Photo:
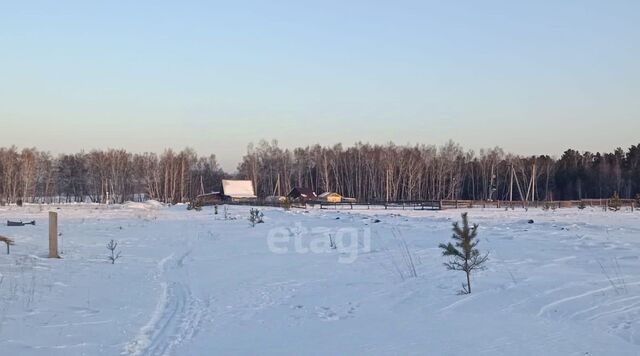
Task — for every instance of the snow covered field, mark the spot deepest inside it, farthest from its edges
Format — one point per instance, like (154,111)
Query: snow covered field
(193,283)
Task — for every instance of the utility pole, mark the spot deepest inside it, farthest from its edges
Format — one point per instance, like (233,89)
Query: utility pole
(276,189)
(511,184)
(491,190)
(533,181)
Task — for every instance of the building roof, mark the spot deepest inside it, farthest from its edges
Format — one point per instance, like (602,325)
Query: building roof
(238,188)
(326,194)
(303,192)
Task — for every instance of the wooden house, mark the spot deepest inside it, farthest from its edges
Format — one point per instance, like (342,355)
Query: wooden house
(207,199)
(330,197)
(302,194)
(275,199)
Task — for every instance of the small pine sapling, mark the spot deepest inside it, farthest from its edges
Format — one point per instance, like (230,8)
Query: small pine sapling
(255,217)
(114,255)
(464,254)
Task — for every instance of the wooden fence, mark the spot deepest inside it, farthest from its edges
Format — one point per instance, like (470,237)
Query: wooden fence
(467,204)
(447,204)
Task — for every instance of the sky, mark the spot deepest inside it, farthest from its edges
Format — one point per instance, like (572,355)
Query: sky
(533,77)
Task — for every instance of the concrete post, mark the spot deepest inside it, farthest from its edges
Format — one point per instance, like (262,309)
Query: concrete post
(53,235)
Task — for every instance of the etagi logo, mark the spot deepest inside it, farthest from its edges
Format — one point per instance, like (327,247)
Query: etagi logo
(347,241)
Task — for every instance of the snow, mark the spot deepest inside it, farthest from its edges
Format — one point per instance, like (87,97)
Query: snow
(147,205)
(238,188)
(193,283)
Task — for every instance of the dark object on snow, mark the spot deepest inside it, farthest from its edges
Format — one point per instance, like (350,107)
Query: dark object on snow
(20,223)
(337,218)
(530,221)
(376,221)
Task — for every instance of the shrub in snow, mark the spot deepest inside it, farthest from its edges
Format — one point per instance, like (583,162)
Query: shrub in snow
(255,217)
(8,242)
(464,254)
(407,258)
(332,242)
(403,262)
(615,203)
(215,210)
(114,255)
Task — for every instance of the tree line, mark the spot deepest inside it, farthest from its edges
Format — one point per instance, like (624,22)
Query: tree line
(113,175)
(427,172)
(364,171)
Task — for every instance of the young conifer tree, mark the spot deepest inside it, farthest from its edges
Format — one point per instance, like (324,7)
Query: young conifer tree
(464,254)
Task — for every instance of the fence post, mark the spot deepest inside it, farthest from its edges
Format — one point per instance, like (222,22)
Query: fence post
(53,235)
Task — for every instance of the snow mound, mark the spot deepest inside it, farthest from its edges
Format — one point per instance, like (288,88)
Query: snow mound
(147,205)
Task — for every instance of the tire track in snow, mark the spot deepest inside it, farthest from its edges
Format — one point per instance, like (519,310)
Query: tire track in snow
(548,306)
(175,319)
(179,322)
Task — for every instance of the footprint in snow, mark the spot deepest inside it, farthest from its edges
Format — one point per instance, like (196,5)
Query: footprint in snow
(325,313)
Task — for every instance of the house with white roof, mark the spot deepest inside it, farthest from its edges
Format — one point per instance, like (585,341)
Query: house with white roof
(238,190)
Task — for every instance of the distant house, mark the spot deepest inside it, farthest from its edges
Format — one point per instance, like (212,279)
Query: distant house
(275,199)
(330,197)
(238,190)
(302,194)
(207,199)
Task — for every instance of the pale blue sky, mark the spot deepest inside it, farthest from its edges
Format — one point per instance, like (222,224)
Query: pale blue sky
(532,77)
